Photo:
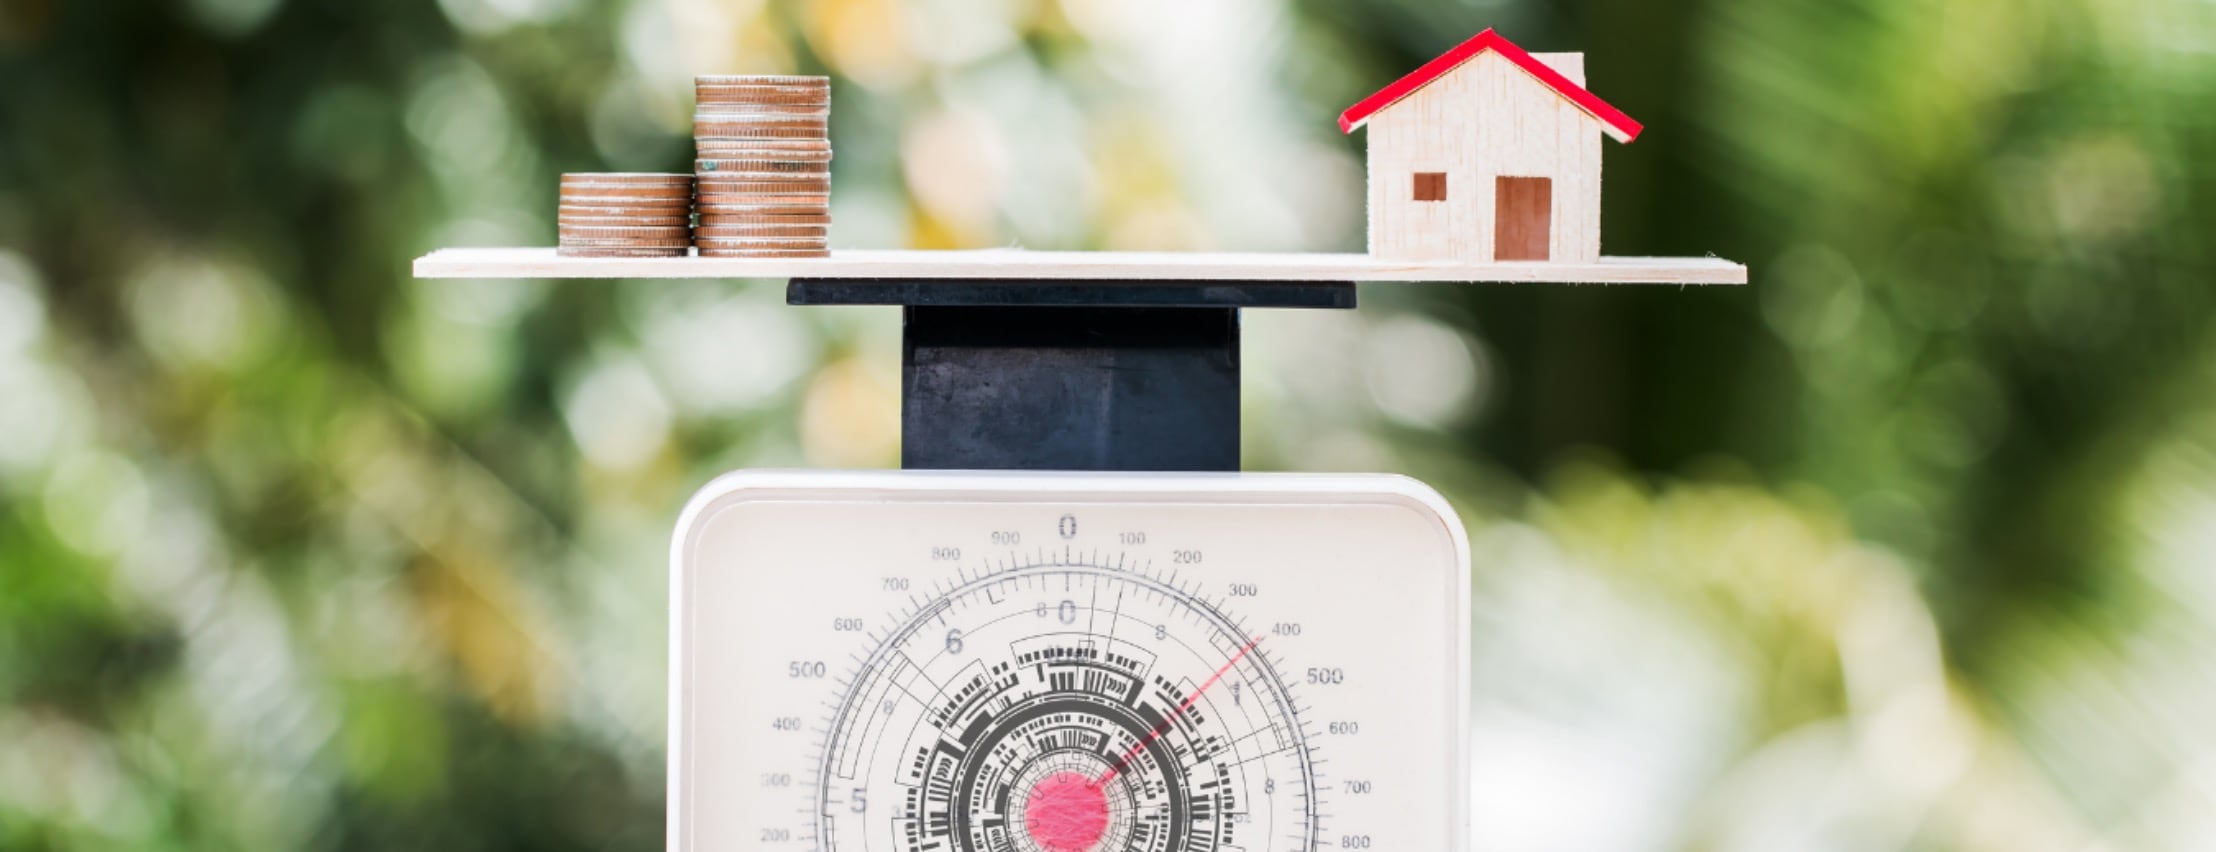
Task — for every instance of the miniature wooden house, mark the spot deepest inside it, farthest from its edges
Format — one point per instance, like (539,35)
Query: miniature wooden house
(1487,153)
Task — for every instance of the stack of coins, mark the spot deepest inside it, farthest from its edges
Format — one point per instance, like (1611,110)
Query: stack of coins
(764,167)
(613,214)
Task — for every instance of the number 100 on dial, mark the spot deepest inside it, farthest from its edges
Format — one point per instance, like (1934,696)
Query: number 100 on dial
(1017,662)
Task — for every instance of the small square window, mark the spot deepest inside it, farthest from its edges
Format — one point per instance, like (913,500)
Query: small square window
(1431,186)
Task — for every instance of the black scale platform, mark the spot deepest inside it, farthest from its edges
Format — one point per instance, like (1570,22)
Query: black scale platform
(1070,375)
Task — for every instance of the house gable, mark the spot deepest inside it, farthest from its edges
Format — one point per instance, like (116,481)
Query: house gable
(1613,121)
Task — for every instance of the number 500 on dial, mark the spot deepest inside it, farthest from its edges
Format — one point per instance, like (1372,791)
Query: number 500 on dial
(1023,662)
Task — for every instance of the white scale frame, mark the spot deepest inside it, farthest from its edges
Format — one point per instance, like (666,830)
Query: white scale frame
(789,587)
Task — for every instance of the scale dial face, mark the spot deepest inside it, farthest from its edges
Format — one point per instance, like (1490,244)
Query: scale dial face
(930,662)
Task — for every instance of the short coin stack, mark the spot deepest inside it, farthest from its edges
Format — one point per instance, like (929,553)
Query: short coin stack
(764,167)
(623,214)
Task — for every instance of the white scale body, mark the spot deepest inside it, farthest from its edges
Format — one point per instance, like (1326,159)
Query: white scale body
(1064,662)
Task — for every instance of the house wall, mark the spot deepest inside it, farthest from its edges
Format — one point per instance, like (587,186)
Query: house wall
(1485,119)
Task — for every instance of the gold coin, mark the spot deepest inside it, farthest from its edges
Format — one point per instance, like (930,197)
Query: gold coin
(660,245)
(720,210)
(785,107)
(763,253)
(735,158)
(731,194)
(812,139)
(729,133)
(657,191)
(756,232)
(663,245)
(626,178)
(709,167)
(766,149)
(762,186)
(635,239)
(604,206)
(751,220)
(783,184)
(565,220)
(599,251)
(801,244)
(751,120)
(758,134)
(785,95)
(710,111)
(662,205)
(625,211)
(657,206)
(725,203)
(762,113)
(623,232)
(598,198)
(727,178)
(751,233)
(739,171)
(761,80)
(819,87)
(778,191)
(710,103)
(770,140)
(755,149)
(712,127)
(819,182)
(666,195)
(642,190)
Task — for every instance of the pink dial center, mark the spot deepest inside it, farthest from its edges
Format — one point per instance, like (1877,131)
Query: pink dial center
(1066,812)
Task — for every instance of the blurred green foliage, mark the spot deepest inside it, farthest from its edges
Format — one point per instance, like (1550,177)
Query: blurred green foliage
(1909,545)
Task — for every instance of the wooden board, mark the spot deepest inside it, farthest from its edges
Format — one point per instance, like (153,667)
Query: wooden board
(1003,264)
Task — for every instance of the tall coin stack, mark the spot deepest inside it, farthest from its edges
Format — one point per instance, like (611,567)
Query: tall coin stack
(624,214)
(764,166)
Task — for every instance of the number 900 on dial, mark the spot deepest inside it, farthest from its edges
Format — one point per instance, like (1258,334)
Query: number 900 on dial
(1017,662)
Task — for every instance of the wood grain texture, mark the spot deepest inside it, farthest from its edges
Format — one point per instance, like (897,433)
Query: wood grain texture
(1484,120)
(1523,209)
(1005,264)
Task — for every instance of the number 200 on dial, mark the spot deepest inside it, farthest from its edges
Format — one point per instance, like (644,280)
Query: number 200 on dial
(1015,662)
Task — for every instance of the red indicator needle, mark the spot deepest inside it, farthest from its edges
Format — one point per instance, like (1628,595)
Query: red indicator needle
(1170,722)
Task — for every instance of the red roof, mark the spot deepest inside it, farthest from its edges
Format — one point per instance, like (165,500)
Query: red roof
(1615,121)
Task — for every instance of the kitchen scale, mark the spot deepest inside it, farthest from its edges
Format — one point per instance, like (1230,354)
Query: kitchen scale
(1069,625)
(910,661)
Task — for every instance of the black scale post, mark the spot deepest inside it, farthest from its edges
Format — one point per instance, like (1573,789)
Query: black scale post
(1070,375)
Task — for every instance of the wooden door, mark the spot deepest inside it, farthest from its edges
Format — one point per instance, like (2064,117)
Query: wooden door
(1523,210)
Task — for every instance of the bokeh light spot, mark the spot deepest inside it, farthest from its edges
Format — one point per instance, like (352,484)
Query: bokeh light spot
(96,502)
(617,414)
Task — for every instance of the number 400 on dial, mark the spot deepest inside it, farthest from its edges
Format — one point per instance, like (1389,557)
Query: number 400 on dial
(1023,662)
